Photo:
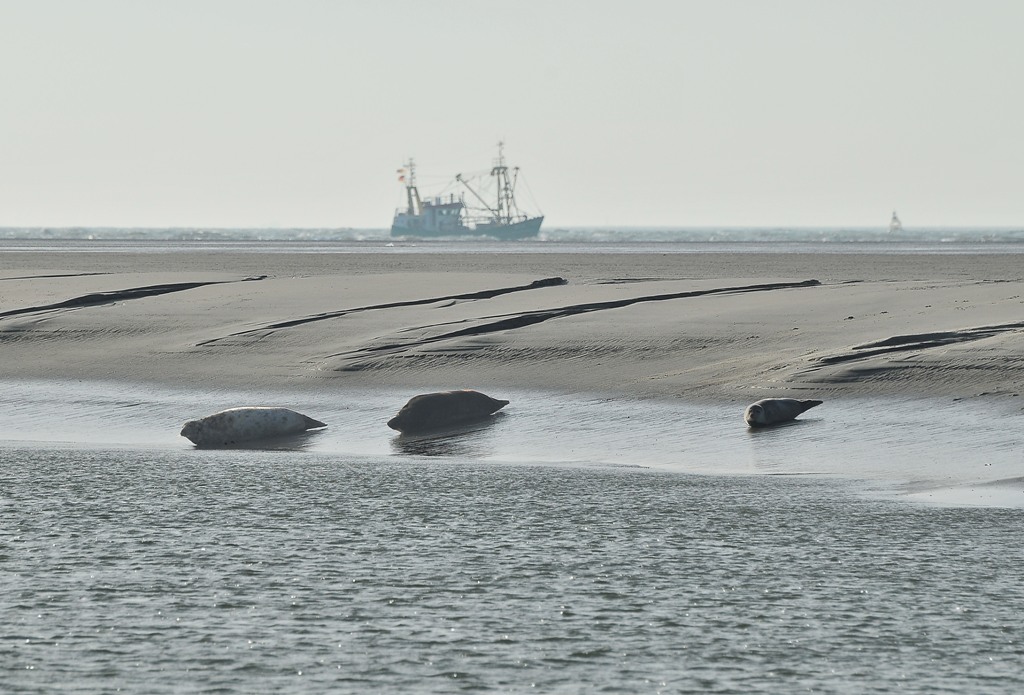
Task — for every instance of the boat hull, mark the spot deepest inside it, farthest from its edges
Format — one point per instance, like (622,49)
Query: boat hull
(506,232)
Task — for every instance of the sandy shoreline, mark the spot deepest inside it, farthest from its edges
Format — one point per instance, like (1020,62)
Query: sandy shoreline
(723,327)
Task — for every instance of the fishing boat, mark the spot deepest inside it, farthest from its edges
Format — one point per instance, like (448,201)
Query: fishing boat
(493,210)
(894,224)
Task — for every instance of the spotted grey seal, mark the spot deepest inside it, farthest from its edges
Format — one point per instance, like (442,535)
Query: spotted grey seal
(239,425)
(771,411)
(436,411)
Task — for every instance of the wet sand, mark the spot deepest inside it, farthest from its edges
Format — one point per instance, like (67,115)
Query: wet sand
(701,327)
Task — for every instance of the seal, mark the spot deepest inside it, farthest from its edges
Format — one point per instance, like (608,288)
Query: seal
(429,412)
(772,411)
(239,425)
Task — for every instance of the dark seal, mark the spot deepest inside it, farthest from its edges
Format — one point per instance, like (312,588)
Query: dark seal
(430,412)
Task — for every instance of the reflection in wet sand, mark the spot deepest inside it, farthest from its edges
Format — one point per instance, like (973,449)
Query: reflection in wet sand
(300,441)
(469,441)
(763,430)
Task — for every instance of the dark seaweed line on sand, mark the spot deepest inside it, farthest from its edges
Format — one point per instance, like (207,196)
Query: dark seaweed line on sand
(483,294)
(505,323)
(919,341)
(100,298)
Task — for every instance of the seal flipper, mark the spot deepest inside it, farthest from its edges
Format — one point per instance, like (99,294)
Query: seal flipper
(312,424)
(808,404)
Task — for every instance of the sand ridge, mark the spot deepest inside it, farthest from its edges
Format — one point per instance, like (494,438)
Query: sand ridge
(721,327)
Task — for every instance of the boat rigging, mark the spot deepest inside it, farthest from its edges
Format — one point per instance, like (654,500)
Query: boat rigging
(494,213)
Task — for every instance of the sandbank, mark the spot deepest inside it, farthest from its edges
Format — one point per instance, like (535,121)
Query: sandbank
(718,327)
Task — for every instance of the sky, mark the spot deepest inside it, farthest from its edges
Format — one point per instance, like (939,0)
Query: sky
(667,113)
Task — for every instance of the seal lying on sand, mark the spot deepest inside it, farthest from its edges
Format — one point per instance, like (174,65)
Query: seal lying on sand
(239,425)
(771,411)
(437,411)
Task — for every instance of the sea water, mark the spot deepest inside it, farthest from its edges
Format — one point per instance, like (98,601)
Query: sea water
(550,240)
(575,543)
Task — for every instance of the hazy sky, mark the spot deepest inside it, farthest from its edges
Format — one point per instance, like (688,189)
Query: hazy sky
(297,113)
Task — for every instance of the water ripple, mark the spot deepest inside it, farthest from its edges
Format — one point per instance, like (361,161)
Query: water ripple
(268,571)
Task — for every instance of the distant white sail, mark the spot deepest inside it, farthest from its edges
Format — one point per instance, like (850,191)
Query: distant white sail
(894,224)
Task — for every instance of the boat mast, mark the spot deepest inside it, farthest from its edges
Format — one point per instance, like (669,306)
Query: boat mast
(506,188)
(412,194)
(505,211)
(499,171)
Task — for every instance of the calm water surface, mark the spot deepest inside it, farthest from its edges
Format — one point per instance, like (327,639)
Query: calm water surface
(270,571)
(631,548)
